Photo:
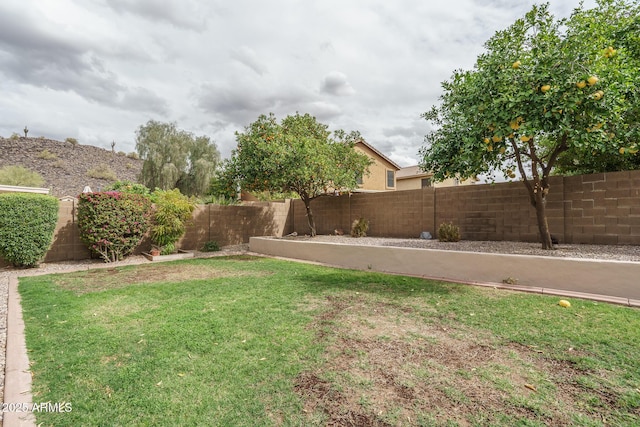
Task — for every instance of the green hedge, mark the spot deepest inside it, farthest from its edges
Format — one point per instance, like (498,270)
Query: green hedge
(111,223)
(27,224)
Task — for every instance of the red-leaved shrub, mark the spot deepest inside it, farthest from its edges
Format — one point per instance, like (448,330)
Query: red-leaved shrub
(113,223)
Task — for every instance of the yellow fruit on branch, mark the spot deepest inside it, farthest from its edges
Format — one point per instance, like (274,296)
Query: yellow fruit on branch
(545,88)
(525,138)
(486,140)
(581,84)
(496,138)
(592,80)
(514,125)
(610,52)
(622,150)
(516,64)
(598,95)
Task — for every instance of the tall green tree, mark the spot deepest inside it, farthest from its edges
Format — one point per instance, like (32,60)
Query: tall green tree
(544,87)
(174,158)
(297,155)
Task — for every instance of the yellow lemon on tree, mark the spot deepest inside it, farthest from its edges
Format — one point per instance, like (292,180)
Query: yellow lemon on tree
(621,151)
(581,84)
(525,138)
(496,138)
(516,64)
(598,95)
(564,303)
(592,80)
(486,140)
(545,88)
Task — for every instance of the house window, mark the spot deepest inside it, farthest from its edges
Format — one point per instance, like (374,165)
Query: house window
(359,179)
(426,182)
(391,179)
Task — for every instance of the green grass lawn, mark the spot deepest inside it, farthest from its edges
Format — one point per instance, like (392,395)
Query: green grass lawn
(244,341)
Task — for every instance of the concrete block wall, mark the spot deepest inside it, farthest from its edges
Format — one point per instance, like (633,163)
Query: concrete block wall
(597,209)
(603,208)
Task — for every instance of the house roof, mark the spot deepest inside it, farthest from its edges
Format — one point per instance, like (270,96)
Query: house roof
(411,172)
(375,150)
(19,189)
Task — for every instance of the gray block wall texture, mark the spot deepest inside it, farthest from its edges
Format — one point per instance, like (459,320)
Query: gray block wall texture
(597,209)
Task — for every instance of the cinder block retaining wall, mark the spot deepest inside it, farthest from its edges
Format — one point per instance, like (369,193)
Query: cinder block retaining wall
(599,208)
(614,281)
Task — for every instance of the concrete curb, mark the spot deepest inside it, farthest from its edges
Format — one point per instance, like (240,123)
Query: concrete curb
(17,380)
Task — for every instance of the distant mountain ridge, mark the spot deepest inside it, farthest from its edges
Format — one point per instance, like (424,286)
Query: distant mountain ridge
(67,167)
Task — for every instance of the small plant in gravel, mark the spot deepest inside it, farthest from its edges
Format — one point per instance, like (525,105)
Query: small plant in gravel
(211,246)
(47,155)
(111,223)
(102,171)
(20,176)
(27,224)
(448,232)
(359,227)
(72,141)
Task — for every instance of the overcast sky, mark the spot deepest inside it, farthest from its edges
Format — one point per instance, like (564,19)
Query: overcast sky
(96,70)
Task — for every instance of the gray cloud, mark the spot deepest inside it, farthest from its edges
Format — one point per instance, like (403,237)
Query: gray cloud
(186,14)
(248,57)
(336,83)
(97,70)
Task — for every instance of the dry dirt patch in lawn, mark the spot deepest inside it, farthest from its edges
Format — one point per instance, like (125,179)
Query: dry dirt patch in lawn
(385,365)
(96,280)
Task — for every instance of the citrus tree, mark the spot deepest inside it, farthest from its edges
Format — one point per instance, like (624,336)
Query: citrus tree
(297,155)
(542,88)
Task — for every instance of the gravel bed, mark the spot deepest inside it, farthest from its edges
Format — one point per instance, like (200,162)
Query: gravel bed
(602,252)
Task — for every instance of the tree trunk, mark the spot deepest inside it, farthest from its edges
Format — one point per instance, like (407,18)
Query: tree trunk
(312,224)
(543,225)
(537,196)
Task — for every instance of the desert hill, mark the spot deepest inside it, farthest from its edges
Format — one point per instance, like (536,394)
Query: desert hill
(67,167)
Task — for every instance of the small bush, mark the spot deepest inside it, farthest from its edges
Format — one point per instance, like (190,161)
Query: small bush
(211,246)
(14,137)
(72,141)
(359,227)
(221,200)
(27,224)
(47,155)
(128,187)
(133,155)
(172,212)
(102,171)
(448,232)
(111,223)
(20,176)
